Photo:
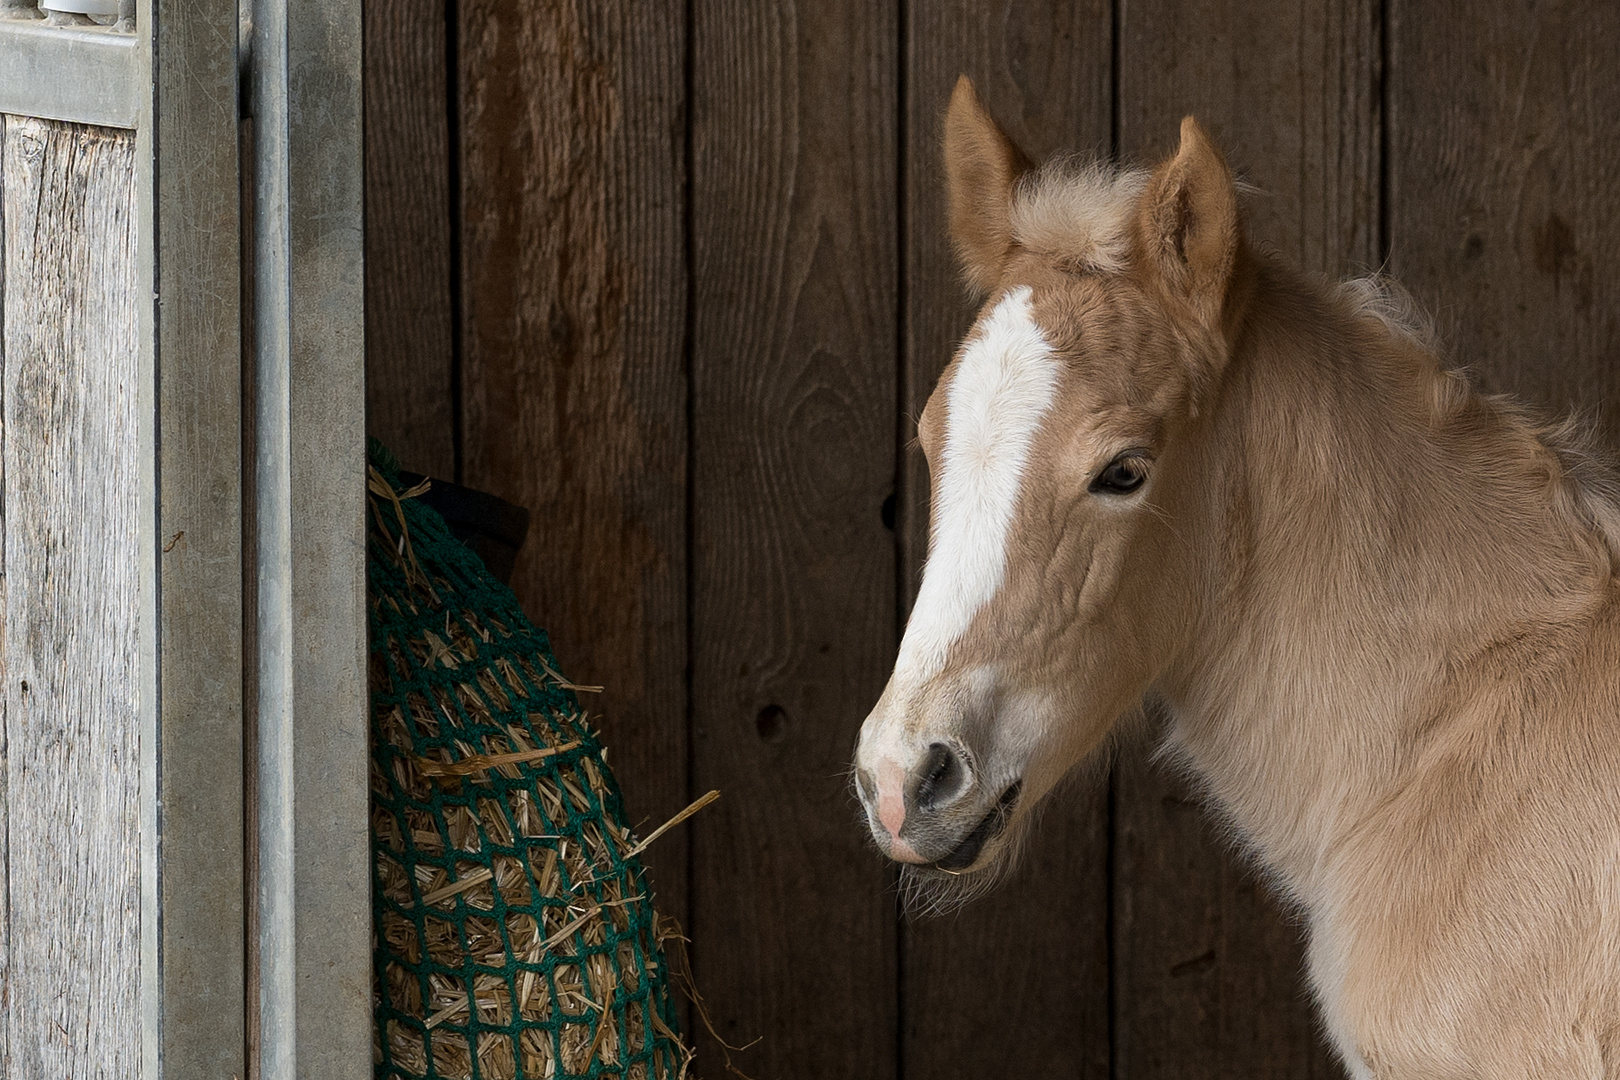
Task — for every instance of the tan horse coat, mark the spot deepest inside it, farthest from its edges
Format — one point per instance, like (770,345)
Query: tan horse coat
(1380,608)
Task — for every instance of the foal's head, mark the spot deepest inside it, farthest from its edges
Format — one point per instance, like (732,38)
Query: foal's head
(1057,585)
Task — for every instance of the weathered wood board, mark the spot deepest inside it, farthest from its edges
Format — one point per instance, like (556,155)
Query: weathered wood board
(794,376)
(71,954)
(197,832)
(573,370)
(410,340)
(1505,146)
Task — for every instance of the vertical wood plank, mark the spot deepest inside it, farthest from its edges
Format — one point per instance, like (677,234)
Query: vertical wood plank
(1291,94)
(988,991)
(1506,143)
(794,167)
(6,677)
(409,343)
(574,371)
(70,355)
(1208,974)
(325,191)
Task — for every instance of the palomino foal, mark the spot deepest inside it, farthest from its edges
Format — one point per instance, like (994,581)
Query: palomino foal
(1379,608)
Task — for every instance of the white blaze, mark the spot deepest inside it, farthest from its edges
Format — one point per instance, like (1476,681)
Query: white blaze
(1004,385)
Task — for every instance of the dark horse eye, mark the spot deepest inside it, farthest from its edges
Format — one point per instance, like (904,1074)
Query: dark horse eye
(1121,476)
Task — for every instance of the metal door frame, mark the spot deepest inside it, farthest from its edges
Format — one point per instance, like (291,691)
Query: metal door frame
(256,624)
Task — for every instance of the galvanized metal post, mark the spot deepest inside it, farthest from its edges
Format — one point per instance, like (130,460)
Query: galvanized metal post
(313,889)
(193,883)
(272,377)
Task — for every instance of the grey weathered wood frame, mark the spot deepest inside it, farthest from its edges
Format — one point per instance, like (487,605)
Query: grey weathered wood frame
(70,942)
(198,554)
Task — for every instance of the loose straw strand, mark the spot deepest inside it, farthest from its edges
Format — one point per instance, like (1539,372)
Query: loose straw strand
(697,804)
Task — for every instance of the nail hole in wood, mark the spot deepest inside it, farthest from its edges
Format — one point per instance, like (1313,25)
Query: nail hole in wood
(771,723)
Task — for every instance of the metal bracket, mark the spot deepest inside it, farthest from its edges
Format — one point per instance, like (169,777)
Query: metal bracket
(81,74)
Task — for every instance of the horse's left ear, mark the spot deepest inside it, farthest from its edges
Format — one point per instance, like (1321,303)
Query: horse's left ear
(1188,226)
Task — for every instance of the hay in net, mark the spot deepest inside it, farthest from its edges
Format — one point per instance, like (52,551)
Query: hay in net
(514,931)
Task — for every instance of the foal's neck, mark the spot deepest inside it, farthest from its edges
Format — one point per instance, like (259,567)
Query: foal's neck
(1376,528)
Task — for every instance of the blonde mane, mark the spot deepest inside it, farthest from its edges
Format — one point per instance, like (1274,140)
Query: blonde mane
(1590,480)
(1077,213)
(1387,303)
(1590,484)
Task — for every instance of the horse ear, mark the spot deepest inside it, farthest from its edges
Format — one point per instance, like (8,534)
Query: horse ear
(981,166)
(1189,225)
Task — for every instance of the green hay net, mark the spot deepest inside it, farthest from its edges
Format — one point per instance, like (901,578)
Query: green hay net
(502,865)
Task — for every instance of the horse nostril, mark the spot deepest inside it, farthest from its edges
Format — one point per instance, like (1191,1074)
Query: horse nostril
(864,785)
(941,777)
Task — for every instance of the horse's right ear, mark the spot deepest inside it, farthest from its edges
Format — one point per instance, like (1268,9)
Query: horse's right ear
(981,167)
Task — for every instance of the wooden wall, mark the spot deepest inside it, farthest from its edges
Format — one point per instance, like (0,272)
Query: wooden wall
(673,274)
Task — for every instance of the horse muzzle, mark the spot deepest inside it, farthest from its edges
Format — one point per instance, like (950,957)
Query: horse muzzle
(934,812)
(966,853)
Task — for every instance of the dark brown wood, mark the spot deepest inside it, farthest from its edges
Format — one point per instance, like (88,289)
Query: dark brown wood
(409,346)
(574,377)
(1017,984)
(1208,976)
(1291,94)
(1507,141)
(793,597)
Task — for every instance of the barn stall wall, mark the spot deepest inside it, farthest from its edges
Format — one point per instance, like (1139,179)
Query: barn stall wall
(675,276)
(155,917)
